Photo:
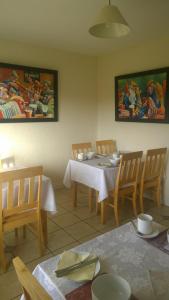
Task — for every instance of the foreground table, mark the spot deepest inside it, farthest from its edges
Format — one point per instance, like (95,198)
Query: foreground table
(121,252)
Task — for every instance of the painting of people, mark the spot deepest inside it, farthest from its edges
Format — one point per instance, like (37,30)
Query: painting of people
(142,96)
(27,94)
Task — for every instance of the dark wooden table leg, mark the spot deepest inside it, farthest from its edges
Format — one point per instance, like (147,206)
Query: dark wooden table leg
(74,193)
(44,226)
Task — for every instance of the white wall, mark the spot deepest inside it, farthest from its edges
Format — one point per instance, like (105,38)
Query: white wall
(50,143)
(131,136)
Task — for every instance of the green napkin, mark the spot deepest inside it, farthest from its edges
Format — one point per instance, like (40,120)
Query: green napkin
(69,258)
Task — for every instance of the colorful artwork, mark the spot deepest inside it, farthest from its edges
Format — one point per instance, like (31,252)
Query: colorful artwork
(142,96)
(27,94)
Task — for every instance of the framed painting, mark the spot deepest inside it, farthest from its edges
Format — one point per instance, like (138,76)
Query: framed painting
(28,94)
(142,97)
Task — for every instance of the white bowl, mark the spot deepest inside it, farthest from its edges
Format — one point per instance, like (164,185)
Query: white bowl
(90,154)
(114,162)
(109,286)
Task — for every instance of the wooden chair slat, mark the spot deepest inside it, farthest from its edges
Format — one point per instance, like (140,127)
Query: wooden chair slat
(31,190)
(126,183)
(81,147)
(10,194)
(152,174)
(21,192)
(105,146)
(31,287)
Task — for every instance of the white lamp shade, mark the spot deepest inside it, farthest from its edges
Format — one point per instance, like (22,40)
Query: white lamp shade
(110,23)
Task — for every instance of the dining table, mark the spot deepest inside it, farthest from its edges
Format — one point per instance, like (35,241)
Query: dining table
(97,173)
(121,252)
(48,200)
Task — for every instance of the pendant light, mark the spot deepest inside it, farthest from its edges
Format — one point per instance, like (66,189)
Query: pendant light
(110,23)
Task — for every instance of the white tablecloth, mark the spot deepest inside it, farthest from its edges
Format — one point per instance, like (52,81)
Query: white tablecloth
(121,252)
(48,195)
(91,174)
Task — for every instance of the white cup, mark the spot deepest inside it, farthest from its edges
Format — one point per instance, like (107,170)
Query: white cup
(109,286)
(115,155)
(81,156)
(145,224)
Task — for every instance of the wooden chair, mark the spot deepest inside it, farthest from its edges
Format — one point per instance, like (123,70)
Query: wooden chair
(31,287)
(84,148)
(23,204)
(125,185)
(152,174)
(105,147)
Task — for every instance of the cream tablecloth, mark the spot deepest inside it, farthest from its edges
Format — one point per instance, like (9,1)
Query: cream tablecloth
(120,252)
(48,195)
(91,174)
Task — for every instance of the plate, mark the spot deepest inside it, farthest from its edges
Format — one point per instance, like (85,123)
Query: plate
(96,270)
(104,164)
(155,233)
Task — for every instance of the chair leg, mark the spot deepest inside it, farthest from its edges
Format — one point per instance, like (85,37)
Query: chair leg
(134,204)
(158,194)
(40,237)
(116,214)
(3,262)
(24,231)
(141,201)
(16,233)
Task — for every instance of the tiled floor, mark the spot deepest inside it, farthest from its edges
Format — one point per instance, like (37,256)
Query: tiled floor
(67,229)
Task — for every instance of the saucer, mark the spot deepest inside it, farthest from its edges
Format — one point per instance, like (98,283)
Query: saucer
(155,233)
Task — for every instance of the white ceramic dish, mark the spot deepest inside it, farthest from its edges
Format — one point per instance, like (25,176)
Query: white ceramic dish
(90,155)
(97,270)
(109,286)
(155,233)
(114,162)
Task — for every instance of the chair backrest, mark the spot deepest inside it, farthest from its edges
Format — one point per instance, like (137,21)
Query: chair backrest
(24,187)
(154,163)
(105,146)
(129,169)
(31,287)
(81,148)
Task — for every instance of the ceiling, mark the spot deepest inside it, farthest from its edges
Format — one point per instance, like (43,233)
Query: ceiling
(64,24)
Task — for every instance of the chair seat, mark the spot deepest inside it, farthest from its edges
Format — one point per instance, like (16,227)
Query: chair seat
(19,219)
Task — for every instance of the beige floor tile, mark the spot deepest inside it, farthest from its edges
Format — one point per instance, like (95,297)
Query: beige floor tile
(60,211)
(31,266)
(80,230)
(83,212)
(68,247)
(59,239)
(52,226)
(96,222)
(9,286)
(28,251)
(66,219)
